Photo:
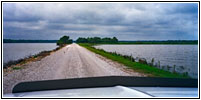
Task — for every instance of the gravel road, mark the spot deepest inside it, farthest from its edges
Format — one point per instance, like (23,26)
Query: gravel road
(72,61)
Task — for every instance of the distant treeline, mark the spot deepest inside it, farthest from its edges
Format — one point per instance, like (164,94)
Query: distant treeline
(28,41)
(160,42)
(105,40)
(114,40)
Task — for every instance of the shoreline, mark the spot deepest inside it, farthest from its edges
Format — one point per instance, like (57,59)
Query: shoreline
(72,61)
(180,69)
(142,44)
(130,62)
(17,64)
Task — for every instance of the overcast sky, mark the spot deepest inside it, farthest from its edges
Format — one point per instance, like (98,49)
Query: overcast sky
(126,21)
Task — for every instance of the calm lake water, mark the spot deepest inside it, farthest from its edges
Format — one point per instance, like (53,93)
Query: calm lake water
(15,51)
(179,55)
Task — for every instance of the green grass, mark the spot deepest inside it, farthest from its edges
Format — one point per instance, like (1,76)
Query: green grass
(138,67)
(17,68)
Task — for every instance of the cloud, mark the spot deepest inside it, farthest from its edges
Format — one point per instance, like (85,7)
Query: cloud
(126,21)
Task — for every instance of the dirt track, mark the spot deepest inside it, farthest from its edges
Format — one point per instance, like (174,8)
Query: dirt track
(72,61)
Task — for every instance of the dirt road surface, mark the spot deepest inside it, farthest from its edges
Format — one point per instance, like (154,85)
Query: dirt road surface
(72,61)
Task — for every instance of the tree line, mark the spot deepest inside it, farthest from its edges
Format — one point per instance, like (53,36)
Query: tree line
(161,42)
(66,40)
(97,40)
(28,41)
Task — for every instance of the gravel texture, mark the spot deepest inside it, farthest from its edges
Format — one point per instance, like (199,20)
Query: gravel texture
(72,61)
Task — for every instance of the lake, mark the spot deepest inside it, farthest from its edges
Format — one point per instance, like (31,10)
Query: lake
(185,56)
(15,51)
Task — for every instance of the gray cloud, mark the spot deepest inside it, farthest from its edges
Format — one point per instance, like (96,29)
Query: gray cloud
(126,21)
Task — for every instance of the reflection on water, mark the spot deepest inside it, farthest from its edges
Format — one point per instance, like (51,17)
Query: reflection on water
(185,56)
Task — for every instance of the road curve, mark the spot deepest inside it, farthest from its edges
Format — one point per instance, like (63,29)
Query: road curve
(72,61)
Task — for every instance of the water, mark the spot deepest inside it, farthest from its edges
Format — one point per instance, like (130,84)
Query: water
(179,55)
(15,51)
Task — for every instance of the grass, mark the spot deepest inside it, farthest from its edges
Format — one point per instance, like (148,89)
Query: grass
(17,68)
(138,67)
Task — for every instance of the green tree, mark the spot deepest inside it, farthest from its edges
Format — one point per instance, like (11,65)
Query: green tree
(64,40)
(114,40)
(106,40)
(81,40)
(96,40)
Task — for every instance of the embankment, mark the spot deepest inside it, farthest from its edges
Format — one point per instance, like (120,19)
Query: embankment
(139,67)
(71,61)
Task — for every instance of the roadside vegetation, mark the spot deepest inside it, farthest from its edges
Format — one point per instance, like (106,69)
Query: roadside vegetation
(16,68)
(130,62)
